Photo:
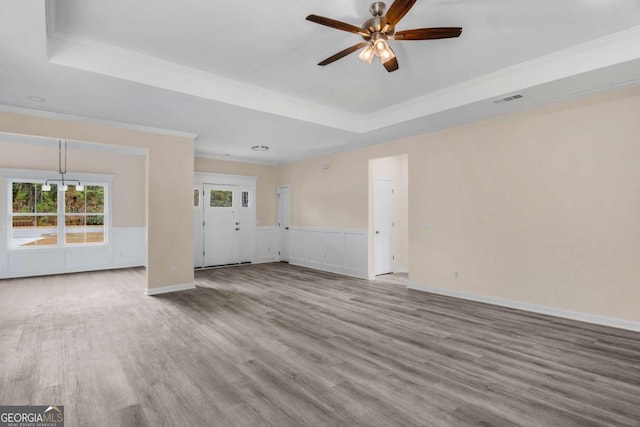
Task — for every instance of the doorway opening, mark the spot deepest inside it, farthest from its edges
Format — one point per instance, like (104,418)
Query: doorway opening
(389,219)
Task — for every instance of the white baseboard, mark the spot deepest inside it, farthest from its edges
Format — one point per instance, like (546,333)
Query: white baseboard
(167,289)
(266,259)
(566,314)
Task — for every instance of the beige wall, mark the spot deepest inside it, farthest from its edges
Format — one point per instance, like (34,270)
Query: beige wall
(334,197)
(169,166)
(128,170)
(266,186)
(540,207)
(396,168)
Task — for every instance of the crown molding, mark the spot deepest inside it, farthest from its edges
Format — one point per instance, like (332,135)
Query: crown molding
(82,119)
(89,55)
(236,159)
(603,52)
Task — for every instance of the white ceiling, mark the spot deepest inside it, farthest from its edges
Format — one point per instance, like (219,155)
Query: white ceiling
(239,74)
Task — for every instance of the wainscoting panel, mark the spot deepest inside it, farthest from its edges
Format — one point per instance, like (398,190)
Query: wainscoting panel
(129,246)
(314,248)
(342,251)
(3,263)
(126,248)
(334,244)
(296,246)
(34,262)
(267,246)
(81,258)
(356,254)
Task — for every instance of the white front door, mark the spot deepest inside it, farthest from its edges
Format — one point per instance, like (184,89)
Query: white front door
(383,223)
(229,224)
(284,220)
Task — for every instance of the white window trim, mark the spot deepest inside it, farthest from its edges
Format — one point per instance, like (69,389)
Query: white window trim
(9,176)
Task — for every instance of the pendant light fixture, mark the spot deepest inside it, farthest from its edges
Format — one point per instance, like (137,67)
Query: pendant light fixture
(62,171)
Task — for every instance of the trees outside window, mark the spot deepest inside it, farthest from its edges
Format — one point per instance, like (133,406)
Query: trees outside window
(57,218)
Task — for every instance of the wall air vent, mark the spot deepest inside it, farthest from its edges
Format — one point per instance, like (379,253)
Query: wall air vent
(507,98)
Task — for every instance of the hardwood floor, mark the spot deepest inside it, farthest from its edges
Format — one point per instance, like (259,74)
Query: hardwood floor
(278,345)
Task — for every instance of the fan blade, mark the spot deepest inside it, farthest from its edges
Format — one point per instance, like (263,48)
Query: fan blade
(396,12)
(342,54)
(392,64)
(338,25)
(428,33)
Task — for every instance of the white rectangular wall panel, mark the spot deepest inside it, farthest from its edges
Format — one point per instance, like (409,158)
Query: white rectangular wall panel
(3,263)
(296,246)
(334,249)
(127,247)
(342,251)
(81,258)
(267,244)
(356,254)
(34,262)
(314,248)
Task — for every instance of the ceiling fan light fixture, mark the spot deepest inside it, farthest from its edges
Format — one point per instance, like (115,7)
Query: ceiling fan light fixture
(380,46)
(367,54)
(387,55)
(378,30)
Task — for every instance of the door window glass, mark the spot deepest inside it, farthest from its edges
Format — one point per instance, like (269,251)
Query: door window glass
(221,199)
(196,198)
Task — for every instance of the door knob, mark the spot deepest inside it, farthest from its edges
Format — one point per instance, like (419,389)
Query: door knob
(237,228)
(286,228)
(237,223)
(377,232)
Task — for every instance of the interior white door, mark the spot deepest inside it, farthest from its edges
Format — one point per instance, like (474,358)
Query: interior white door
(284,220)
(229,224)
(383,223)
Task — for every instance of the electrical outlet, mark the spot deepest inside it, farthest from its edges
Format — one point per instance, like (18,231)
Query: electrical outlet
(173,269)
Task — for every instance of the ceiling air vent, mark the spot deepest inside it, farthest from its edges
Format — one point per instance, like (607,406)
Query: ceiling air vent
(507,98)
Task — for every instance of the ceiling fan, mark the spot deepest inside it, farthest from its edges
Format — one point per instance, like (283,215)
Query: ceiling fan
(378,30)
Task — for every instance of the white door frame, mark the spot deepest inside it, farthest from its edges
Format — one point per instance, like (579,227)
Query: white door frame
(201,178)
(284,223)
